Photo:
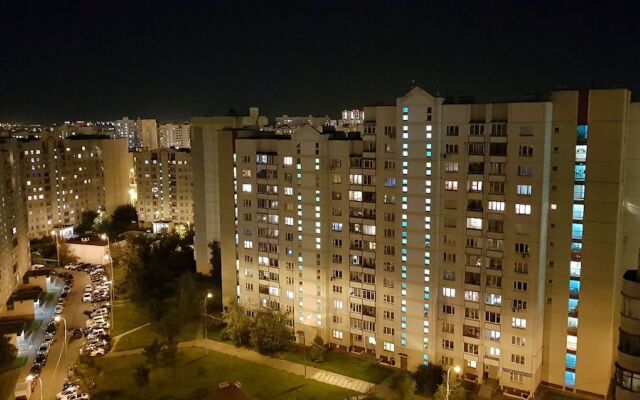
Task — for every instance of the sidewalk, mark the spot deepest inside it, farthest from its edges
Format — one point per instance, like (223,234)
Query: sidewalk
(320,375)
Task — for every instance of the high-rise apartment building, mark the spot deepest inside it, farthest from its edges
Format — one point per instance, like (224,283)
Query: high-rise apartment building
(126,128)
(148,134)
(15,258)
(164,180)
(174,135)
(487,236)
(64,177)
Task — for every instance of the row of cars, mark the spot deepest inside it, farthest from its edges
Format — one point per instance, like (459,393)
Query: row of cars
(52,326)
(96,329)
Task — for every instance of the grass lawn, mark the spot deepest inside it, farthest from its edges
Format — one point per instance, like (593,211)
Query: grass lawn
(8,384)
(194,375)
(128,316)
(145,336)
(342,363)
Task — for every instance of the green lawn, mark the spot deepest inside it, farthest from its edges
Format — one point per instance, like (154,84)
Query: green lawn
(128,316)
(145,336)
(8,384)
(343,363)
(194,375)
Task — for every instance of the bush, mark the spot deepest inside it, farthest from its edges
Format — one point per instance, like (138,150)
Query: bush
(318,352)
(427,378)
(141,375)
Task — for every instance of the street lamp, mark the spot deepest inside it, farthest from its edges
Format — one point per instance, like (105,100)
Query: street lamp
(55,234)
(30,378)
(456,369)
(104,236)
(206,329)
(57,318)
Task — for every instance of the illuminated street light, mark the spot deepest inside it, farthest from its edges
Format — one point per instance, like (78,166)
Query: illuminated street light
(457,370)
(206,330)
(30,378)
(57,318)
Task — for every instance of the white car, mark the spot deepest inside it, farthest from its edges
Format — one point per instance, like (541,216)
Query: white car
(93,351)
(36,267)
(77,396)
(99,325)
(88,288)
(59,309)
(71,266)
(100,312)
(87,298)
(73,389)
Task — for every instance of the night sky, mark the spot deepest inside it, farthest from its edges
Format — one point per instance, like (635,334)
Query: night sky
(99,59)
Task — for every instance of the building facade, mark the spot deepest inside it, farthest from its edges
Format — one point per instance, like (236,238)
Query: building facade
(15,257)
(174,135)
(65,177)
(164,180)
(488,236)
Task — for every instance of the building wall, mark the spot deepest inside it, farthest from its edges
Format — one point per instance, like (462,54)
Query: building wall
(148,134)
(164,186)
(63,178)
(15,257)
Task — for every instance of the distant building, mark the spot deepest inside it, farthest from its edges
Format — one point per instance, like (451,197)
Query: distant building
(174,135)
(64,177)
(15,259)
(126,128)
(164,180)
(288,125)
(148,134)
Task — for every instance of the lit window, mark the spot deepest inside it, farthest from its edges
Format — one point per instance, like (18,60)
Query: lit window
(248,244)
(474,223)
(524,190)
(451,185)
(519,323)
(246,187)
(448,292)
(287,160)
(523,209)
(389,346)
(336,334)
(496,206)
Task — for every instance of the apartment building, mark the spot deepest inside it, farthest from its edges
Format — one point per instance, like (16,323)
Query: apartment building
(487,236)
(164,180)
(64,177)
(126,128)
(174,135)
(148,134)
(14,245)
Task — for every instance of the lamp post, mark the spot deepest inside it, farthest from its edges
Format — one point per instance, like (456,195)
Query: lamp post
(30,378)
(456,369)
(113,280)
(55,234)
(206,329)
(66,357)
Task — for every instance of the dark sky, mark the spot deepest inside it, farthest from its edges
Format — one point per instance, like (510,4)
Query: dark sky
(99,59)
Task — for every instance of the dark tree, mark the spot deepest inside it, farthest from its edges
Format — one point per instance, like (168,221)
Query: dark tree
(318,352)
(428,377)
(237,324)
(8,351)
(151,353)
(141,375)
(123,218)
(87,221)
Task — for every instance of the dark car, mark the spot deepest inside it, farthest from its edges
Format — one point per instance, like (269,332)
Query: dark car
(35,369)
(76,333)
(51,328)
(41,359)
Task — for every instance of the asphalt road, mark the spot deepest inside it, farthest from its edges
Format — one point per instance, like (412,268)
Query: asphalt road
(54,372)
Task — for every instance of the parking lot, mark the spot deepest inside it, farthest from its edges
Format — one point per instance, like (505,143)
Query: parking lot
(91,333)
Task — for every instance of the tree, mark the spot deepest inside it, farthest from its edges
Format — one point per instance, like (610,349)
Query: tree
(123,218)
(270,333)
(169,353)
(406,386)
(141,375)
(65,254)
(87,222)
(216,271)
(238,324)
(151,353)
(427,378)
(8,351)
(171,324)
(318,352)
(456,390)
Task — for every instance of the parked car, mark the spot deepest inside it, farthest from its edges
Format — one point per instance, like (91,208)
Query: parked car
(44,349)
(76,333)
(87,298)
(93,351)
(58,309)
(71,266)
(41,359)
(35,370)
(73,389)
(37,267)
(99,312)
